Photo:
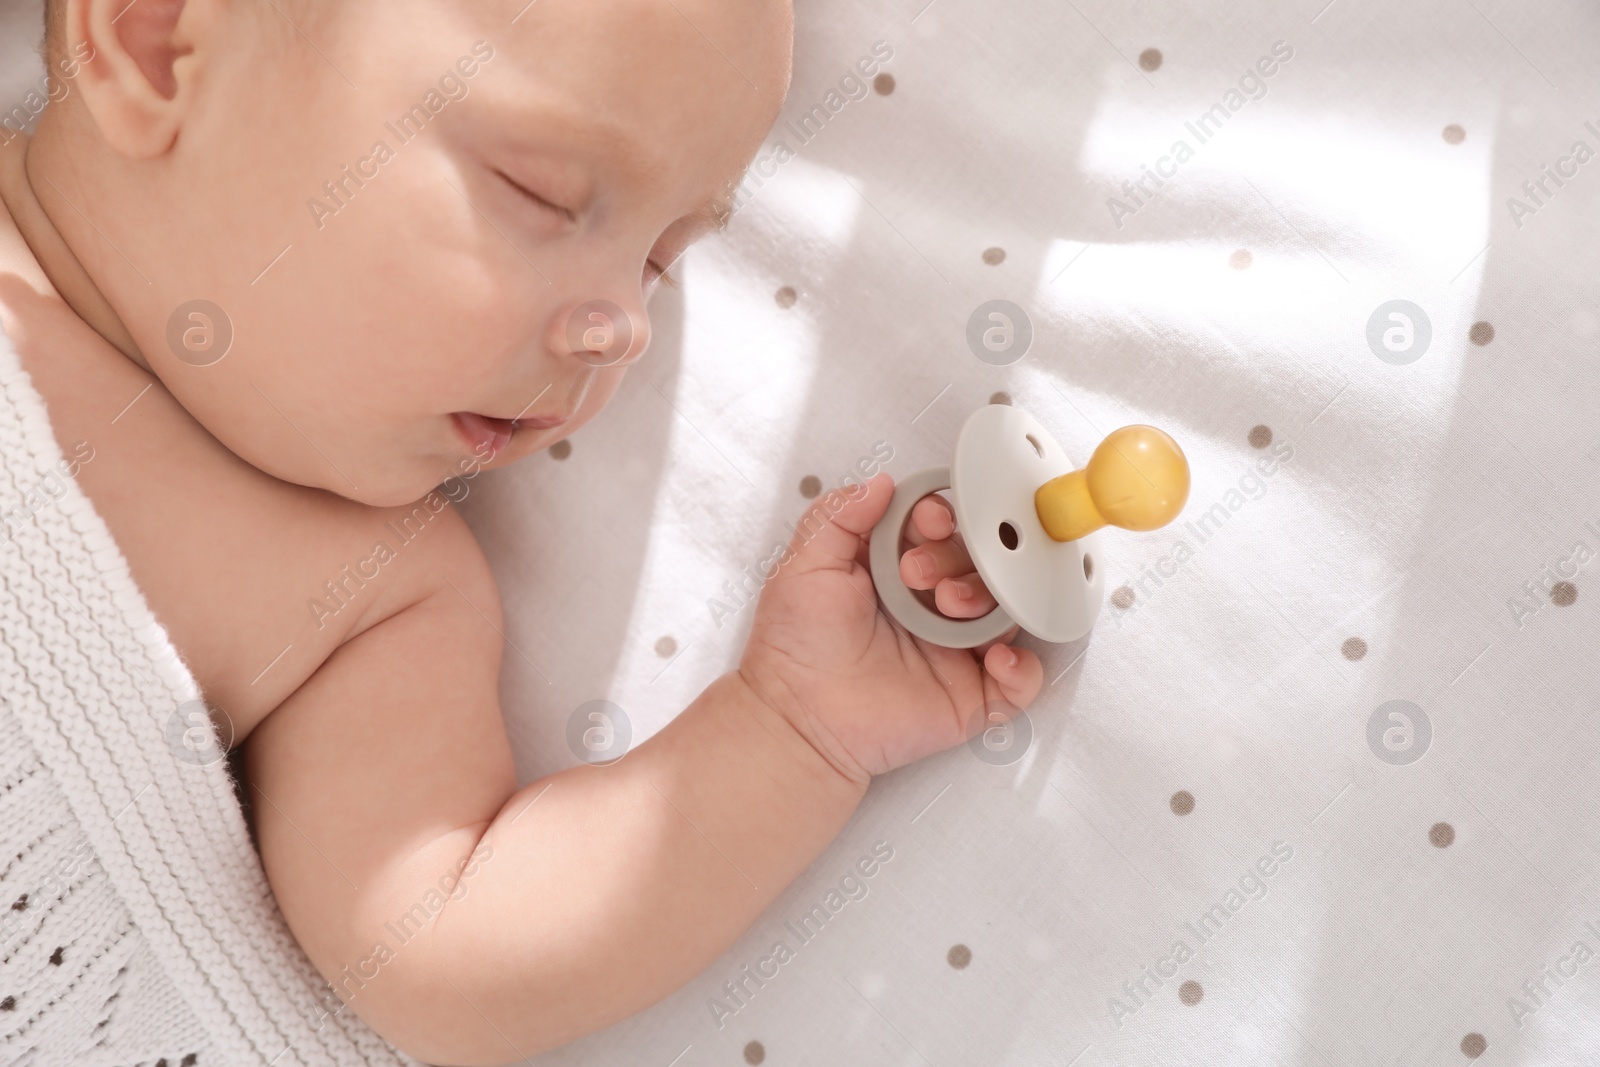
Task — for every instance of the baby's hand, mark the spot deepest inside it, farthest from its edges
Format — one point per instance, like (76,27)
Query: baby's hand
(866,694)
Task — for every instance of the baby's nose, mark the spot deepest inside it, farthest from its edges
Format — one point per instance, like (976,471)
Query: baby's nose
(603,333)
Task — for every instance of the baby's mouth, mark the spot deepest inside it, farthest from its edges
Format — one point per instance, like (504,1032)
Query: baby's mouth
(488,436)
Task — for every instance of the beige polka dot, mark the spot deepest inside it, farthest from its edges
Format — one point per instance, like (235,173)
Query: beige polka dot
(810,486)
(959,956)
(1241,259)
(1353,648)
(1441,834)
(1000,398)
(1454,134)
(1150,58)
(666,647)
(994,256)
(1190,993)
(1260,436)
(1473,1046)
(1182,802)
(786,296)
(884,83)
(1481,333)
(1122,597)
(561,450)
(754,1052)
(1562,594)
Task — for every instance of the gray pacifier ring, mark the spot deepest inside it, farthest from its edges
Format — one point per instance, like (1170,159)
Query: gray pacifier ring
(899,601)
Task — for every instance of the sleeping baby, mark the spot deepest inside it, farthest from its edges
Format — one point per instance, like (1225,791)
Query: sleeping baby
(291,268)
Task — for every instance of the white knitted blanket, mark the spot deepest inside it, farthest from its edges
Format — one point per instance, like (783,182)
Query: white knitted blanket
(136,923)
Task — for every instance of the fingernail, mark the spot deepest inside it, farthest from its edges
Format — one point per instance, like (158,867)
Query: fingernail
(963,590)
(924,565)
(1012,659)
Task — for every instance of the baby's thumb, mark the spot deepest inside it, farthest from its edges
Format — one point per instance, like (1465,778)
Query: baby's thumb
(829,535)
(1016,671)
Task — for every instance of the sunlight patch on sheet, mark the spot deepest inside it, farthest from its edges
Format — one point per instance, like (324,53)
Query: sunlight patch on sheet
(803,200)
(1286,304)
(1351,183)
(749,360)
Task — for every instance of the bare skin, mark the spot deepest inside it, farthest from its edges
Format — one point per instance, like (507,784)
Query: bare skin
(596,143)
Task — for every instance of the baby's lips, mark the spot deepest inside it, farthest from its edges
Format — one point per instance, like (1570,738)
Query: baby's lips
(482,432)
(488,435)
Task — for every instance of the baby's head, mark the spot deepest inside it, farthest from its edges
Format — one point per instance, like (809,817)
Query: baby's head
(408,213)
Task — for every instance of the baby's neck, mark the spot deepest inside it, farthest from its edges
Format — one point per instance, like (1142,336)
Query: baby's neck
(18,172)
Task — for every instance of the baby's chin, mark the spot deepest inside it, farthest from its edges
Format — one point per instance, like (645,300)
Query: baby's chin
(458,473)
(383,482)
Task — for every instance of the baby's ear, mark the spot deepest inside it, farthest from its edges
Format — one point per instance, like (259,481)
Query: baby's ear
(139,66)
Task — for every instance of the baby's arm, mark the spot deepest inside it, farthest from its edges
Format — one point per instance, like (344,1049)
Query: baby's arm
(598,890)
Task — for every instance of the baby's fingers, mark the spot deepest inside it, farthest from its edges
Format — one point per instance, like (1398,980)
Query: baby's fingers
(1017,671)
(931,520)
(930,563)
(963,598)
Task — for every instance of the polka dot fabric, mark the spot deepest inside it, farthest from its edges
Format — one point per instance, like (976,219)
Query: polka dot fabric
(1315,788)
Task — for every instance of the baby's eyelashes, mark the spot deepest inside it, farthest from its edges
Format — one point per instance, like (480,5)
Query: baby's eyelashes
(542,202)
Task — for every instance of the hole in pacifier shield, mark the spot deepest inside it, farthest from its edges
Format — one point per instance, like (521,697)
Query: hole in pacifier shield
(1399,732)
(1399,332)
(999,332)
(599,732)
(199,332)
(599,333)
(999,734)
(193,730)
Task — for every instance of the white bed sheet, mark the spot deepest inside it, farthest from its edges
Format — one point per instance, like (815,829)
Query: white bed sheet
(1416,503)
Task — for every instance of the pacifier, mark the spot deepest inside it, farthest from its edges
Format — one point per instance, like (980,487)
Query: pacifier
(1029,520)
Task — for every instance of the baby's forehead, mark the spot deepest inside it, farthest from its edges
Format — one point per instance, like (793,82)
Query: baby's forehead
(662,102)
(704,52)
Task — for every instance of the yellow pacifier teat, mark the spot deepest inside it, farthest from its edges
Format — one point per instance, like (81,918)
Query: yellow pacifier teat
(1137,479)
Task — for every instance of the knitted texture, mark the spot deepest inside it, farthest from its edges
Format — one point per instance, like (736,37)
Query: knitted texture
(136,922)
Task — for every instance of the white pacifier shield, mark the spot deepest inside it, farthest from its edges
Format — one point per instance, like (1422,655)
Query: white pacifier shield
(1052,589)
